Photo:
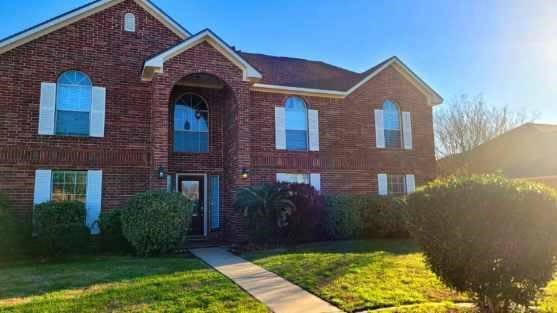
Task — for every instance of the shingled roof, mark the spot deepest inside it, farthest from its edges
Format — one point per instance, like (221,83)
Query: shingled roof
(301,73)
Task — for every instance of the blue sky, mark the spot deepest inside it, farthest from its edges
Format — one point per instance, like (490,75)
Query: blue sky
(506,50)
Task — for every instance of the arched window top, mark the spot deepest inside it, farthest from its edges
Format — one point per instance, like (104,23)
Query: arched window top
(295,104)
(191,124)
(391,121)
(296,124)
(129,22)
(74,78)
(73,103)
(391,115)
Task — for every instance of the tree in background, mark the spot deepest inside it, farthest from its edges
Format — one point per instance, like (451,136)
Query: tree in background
(466,123)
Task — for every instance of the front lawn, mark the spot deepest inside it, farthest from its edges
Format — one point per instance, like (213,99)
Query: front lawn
(358,275)
(121,284)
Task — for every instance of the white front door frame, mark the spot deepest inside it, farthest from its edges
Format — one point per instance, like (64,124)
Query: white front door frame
(204,195)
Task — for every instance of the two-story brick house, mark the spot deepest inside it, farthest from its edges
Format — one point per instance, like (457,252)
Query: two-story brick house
(115,98)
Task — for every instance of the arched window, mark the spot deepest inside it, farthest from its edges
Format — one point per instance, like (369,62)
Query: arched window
(73,103)
(391,117)
(296,124)
(191,127)
(129,22)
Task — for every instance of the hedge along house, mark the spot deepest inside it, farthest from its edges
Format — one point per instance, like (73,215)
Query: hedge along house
(115,98)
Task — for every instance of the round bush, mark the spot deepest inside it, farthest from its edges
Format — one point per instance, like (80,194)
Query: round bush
(111,237)
(384,217)
(488,236)
(305,220)
(156,222)
(60,227)
(342,218)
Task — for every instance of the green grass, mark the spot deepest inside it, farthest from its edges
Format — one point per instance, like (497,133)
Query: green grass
(121,284)
(358,275)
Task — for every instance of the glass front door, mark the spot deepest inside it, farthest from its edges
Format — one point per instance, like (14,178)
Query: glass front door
(192,187)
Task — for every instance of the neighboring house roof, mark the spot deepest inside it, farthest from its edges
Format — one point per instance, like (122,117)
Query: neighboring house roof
(526,151)
(275,74)
(156,64)
(81,12)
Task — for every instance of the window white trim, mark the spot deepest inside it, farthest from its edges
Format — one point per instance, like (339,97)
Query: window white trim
(81,13)
(129,22)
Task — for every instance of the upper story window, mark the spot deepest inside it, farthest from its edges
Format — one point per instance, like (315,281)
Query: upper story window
(392,125)
(296,124)
(191,126)
(73,103)
(129,22)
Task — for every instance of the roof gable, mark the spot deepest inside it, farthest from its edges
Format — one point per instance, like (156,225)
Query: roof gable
(288,75)
(155,65)
(79,13)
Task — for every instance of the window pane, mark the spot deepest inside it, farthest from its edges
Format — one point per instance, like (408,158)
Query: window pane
(396,185)
(296,178)
(393,138)
(72,123)
(296,139)
(73,98)
(69,185)
(191,129)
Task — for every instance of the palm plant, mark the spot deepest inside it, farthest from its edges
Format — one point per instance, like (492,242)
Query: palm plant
(267,207)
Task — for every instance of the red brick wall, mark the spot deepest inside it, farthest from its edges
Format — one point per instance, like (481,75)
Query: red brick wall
(98,46)
(348,159)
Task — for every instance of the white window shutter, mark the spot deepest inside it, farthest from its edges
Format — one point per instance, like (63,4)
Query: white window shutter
(315,180)
(280,128)
(407,130)
(47,108)
(93,200)
(313,125)
(43,186)
(382,184)
(96,126)
(281,177)
(379,129)
(410,183)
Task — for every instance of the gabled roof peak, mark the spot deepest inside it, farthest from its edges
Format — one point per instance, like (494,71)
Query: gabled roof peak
(81,12)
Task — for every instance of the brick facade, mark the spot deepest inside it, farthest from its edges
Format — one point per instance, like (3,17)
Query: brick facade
(138,127)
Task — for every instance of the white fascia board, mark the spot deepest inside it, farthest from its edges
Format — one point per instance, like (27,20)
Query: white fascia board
(163,18)
(83,12)
(432,96)
(156,64)
(298,91)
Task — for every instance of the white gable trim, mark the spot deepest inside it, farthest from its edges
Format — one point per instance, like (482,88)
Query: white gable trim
(155,65)
(432,96)
(81,13)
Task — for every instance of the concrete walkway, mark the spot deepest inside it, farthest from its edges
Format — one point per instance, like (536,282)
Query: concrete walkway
(280,295)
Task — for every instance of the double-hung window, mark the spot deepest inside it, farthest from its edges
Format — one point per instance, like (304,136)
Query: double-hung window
(69,185)
(296,124)
(73,104)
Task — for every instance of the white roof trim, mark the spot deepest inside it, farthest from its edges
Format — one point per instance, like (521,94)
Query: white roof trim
(298,91)
(433,97)
(83,12)
(155,65)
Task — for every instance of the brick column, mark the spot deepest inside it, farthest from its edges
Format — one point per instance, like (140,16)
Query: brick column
(159,131)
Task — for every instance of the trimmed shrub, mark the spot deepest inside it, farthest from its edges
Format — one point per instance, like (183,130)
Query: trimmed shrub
(12,238)
(384,217)
(342,218)
(156,222)
(60,227)
(267,208)
(305,221)
(111,237)
(488,236)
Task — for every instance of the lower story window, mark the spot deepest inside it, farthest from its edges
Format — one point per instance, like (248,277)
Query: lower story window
(396,185)
(293,178)
(69,185)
